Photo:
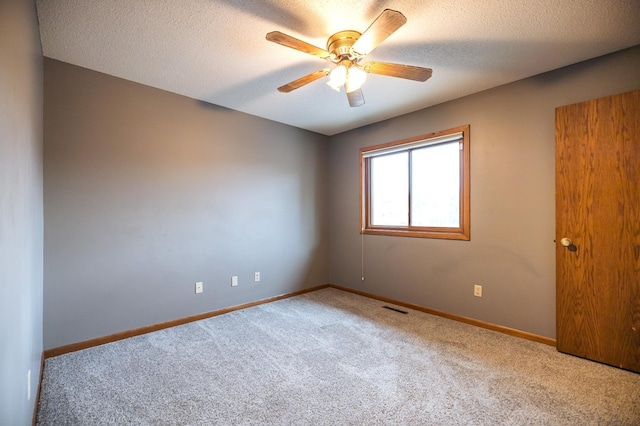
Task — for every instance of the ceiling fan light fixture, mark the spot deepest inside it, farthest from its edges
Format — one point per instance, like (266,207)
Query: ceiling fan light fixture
(337,77)
(333,86)
(355,78)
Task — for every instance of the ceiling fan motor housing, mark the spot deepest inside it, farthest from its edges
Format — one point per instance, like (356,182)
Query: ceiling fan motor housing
(339,44)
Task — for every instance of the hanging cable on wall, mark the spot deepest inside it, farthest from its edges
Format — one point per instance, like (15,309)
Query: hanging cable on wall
(362,255)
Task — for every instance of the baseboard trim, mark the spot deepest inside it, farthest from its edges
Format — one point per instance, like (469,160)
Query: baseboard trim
(36,402)
(61,350)
(489,326)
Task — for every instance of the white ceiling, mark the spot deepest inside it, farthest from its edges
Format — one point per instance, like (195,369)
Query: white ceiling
(216,51)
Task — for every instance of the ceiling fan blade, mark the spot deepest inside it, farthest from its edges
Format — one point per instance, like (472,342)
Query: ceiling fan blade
(397,70)
(384,25)
(303,80)
(356,98)
(294,43)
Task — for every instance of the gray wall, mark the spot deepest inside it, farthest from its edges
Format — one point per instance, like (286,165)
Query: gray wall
(511,252)
(20,209)
(147,192)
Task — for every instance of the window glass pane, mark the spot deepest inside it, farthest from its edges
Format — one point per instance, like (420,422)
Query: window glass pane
(435,186)
(389,190)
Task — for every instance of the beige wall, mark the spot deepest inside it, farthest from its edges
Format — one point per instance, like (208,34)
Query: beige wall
(20,210)
(511,252)
(147,192)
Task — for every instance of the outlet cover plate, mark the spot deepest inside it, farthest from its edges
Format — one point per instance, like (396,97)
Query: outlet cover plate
(477,290)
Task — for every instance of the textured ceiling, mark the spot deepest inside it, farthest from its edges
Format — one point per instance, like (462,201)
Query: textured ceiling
(215,50)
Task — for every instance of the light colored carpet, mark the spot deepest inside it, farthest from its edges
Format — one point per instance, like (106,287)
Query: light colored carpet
(332,357)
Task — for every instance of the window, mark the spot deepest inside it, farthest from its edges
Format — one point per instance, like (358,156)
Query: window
(417,187)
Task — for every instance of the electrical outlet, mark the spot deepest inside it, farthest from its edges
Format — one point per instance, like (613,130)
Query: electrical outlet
(477,290)
(234,281)
(199,287)
(256,276)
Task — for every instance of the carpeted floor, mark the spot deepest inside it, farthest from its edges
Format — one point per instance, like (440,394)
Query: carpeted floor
(332,357)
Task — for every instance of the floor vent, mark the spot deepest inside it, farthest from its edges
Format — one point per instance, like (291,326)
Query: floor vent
(395,309)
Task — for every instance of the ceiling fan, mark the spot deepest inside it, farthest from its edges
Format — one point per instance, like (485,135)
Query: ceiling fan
(346,49)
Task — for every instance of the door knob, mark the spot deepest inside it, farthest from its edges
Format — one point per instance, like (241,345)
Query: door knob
(566,242)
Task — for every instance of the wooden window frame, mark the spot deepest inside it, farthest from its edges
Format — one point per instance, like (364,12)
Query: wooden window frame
(460,233)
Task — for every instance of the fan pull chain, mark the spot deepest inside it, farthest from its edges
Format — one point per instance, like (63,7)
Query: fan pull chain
(362,254)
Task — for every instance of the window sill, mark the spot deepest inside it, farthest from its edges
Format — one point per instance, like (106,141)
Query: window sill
(444,234)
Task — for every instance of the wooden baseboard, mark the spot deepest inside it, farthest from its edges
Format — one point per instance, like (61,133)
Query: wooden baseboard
(155,327)
(38,388)
(151,328)
(489,326)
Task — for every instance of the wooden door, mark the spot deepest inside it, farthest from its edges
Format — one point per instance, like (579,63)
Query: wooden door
(598,209)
